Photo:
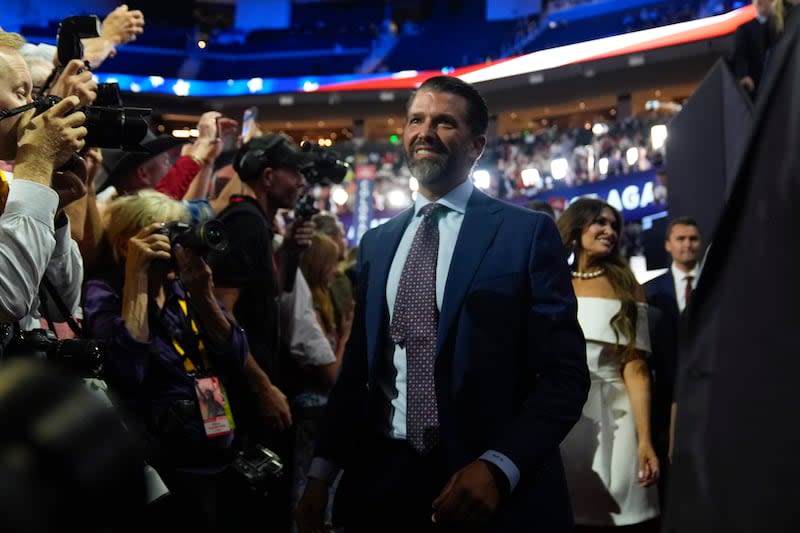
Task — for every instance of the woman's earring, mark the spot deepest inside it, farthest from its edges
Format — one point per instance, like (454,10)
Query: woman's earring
(571,258)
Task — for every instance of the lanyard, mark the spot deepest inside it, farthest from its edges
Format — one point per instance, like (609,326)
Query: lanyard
(176,335)
(3,191)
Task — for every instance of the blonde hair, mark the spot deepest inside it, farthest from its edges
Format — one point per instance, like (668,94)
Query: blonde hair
(315,263)
(11,40)
(779,13)
(128,214)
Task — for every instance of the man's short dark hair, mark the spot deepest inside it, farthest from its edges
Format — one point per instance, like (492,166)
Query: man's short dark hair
(542,207)
(477,110)
(682,221)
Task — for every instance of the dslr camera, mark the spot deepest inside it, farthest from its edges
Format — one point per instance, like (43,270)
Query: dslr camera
(82,356)
(109,124)
(325,169)
(107,127)
(208,236)
(258,466)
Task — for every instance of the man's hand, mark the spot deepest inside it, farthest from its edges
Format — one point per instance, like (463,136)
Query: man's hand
(69,181)
(208,145)
(310,512)
(122,25)
(274,408)
(469,499)
(748,83)
(47,141)
(299,234)
(75,79)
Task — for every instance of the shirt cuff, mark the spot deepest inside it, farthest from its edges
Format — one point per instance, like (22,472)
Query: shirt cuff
(505,465)
(63,239)
(32,199)
(323,469)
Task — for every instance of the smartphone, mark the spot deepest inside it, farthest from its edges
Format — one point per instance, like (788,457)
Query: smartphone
(248,121)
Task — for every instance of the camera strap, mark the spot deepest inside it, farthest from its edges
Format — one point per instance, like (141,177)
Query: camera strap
(212,399)
(185,341)
(47,291)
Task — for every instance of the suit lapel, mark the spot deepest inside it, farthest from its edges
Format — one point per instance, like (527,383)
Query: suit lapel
(481,220)
(386,241)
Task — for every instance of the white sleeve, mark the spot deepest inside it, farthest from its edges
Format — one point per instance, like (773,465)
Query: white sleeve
(65,272)
(26,244)
(308,345)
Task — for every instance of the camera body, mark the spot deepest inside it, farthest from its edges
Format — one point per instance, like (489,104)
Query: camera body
(70,32)
(326,168)
(107,127)
(108,123)
(83,356)
(208,236)
(258,466)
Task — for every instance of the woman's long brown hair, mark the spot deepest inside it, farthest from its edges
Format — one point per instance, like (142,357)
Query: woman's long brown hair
(571,225)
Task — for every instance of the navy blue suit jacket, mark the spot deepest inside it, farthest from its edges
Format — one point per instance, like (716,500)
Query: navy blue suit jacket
(510,372)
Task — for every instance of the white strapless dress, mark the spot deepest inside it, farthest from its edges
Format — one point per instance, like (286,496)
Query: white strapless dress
(601,452)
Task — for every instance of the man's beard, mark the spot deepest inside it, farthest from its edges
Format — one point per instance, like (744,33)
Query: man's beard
(430,170)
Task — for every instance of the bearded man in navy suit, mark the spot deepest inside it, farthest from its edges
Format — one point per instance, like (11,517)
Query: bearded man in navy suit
(507,370)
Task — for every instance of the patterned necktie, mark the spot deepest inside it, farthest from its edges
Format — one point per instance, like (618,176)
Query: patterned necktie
(687,291)
(415,326)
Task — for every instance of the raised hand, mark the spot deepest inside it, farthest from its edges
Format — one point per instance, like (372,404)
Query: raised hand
(122,25)
(75,79)
(148,245)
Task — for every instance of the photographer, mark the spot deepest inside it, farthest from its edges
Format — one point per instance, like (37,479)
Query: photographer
(34,232)
(167,341)
(247,276)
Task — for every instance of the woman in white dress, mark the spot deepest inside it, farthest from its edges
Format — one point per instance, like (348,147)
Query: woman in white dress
(609,458)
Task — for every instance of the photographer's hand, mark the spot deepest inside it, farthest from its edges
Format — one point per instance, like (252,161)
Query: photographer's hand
(196,278)
(69,181)
(299,233)
(140,251)
(47,141)
(272,403)
(75,79)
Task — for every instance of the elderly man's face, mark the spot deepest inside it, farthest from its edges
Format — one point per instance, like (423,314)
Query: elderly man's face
(15,91)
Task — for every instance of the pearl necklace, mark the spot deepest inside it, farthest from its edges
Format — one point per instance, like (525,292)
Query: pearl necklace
(588,275)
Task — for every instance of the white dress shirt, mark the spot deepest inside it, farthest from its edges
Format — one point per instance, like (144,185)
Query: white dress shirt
(449,225)
(680,283)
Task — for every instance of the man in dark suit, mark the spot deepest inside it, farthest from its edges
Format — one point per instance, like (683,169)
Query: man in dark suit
(462,376)
(752,40)
(668,295)
(735,466)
